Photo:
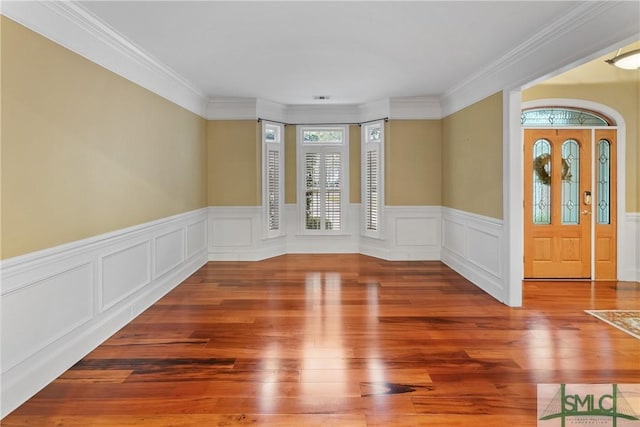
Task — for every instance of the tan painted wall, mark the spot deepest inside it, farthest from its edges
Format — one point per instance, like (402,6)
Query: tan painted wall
(472,158)
(85,151)
(623,97)
(233,163)
(290,159)
(412,163)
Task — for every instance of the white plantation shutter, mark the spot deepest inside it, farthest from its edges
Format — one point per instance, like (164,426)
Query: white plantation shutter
(273,178)
(372,178)
(313,208)
(273,190)
(323,153)
(371,190)
(333,191)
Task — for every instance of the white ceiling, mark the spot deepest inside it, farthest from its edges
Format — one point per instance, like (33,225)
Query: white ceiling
(354,51)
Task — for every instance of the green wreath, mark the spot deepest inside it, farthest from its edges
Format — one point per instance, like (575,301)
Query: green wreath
(542,167)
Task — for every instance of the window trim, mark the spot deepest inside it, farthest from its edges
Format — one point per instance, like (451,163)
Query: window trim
(267,146)
(302,149)
(367,145)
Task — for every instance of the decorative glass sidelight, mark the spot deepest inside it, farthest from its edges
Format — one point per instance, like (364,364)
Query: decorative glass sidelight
(542,182)
(603,181)
(570,182)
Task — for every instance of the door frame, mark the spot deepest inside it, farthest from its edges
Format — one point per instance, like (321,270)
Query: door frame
(586,137)
(513,183)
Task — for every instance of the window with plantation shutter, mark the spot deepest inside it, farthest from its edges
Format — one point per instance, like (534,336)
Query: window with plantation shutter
(273,178)
(371,191)
(322,197)
(313,212)
(372,178)
(273,189)
(333,191)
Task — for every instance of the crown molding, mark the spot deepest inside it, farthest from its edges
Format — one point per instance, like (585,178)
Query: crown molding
(271,110)
(70,25)
(415,108)
(375,109)
(409,108)
(586,32)
(569,41)
(73,27)
(231,108)
(318,114)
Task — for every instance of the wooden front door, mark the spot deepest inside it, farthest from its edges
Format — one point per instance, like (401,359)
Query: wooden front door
(558,202)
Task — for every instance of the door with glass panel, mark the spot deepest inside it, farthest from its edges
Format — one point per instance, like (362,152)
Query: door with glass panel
(558,203)
(605,204)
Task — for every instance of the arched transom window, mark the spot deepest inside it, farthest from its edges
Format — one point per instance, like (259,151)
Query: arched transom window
(562,116)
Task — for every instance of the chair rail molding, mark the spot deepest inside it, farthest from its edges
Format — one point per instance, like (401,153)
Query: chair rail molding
(60,303)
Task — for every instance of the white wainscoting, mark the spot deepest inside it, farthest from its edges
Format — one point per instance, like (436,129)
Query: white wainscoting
(473,246)
(235,234)
(629,252)
(346,242)
(60,303)
(409,233)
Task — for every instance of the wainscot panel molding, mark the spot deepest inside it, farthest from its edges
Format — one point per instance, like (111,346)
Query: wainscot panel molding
(473,246)
(60,303)
(235,234)
(346,242)
(629,255)
(409,233)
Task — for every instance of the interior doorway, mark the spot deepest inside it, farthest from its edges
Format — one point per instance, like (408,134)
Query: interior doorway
(570,195)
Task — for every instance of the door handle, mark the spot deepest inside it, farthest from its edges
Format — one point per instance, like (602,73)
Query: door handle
(586,212)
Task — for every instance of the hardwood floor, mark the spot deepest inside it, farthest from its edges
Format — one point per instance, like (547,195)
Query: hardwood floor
(341,340)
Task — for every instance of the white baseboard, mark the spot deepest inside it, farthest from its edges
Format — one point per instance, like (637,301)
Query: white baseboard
(60,303)
(473,246)
(629,253)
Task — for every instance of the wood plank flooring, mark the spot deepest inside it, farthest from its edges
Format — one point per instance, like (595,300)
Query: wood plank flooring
(341,340)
